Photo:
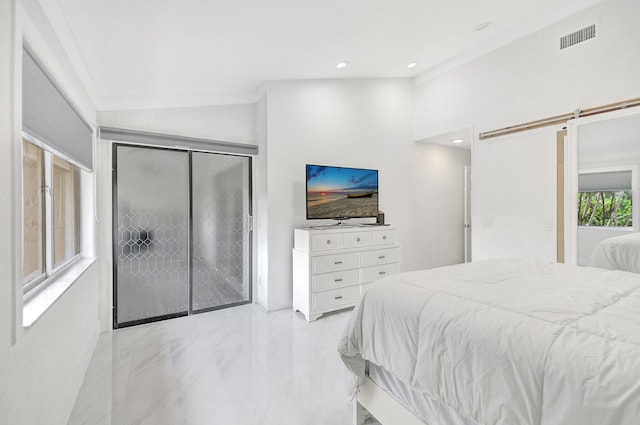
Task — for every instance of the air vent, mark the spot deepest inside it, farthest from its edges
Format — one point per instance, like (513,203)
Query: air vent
(578,37)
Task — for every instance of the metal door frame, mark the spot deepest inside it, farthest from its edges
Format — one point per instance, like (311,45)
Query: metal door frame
(114,236)
(250,247)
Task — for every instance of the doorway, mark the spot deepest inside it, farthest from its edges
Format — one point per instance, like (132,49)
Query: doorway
(181,233)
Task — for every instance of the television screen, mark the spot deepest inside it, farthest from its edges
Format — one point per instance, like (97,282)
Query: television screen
(339,193)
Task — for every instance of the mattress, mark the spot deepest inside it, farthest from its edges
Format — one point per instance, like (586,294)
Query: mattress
(618,253)
(419,403)
(507,341)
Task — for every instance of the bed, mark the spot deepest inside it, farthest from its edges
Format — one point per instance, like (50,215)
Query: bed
(498,342)
(618,253)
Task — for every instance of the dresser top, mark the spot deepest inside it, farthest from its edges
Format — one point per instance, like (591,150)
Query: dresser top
(342,228)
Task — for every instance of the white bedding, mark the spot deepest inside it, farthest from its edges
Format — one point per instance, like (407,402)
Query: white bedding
(430,411)
(508,341)
(618,253)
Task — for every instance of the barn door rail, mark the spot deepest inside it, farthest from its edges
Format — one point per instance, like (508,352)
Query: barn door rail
(559,119)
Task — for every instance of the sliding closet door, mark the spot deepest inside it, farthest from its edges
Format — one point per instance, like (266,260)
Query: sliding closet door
(221,247)
(151,232)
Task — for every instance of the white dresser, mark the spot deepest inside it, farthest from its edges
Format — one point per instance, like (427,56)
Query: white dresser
(333,267)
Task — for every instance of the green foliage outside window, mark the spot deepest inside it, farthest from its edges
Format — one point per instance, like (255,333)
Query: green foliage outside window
(611,209)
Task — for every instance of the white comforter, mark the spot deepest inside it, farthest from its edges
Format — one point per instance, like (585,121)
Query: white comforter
(618,253)
(508,341)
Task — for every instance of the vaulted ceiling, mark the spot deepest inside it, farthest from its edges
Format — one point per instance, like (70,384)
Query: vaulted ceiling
(142,53)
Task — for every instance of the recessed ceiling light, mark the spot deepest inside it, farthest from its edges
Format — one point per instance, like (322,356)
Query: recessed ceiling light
(483,25)
(341,65)
(457,141)
(412,64)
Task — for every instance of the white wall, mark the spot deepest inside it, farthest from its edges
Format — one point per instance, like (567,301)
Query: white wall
(357,123)
(42,367)
(7,253)
(261,208)
(229,123)
(523,81)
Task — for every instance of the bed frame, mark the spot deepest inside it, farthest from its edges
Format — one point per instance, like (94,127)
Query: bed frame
(386,409)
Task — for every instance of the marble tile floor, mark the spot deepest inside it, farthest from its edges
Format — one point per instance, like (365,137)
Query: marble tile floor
(239,366)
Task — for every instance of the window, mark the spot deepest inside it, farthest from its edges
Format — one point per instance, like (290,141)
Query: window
(50,214)
(605,208)
(65,211)
(605,198)
(33,212)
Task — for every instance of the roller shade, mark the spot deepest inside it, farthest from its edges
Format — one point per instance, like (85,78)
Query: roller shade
(48,115)
(178,142)
(605,182)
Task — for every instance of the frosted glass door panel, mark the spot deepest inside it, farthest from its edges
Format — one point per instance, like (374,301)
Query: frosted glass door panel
(152,235)
(221,237)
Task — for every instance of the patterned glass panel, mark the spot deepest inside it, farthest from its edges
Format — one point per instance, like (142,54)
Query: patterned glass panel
(221,269)
(152,233)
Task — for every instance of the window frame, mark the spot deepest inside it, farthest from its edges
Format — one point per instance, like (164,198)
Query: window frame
(50,273)
(76,213)
(28,285)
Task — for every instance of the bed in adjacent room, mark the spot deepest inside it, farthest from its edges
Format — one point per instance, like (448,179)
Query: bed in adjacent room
(618,253)
(498,342)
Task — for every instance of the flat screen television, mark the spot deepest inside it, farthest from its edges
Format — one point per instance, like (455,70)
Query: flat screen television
(340,193)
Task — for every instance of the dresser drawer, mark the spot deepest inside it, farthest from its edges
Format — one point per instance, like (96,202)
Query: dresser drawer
(383,237)
(322,282)
(370,274)
(331,263)
(335,297)
(380,256)
(326,242)
(354,240)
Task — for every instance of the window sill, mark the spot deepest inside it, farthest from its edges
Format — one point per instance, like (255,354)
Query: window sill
(36,306)
(608,229)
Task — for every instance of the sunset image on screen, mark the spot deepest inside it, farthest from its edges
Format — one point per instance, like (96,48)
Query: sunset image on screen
(336,192)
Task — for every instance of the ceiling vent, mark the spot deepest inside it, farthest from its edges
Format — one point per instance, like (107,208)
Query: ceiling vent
(577,37)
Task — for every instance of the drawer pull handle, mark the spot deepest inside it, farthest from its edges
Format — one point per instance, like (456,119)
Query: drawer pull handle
(338,262)
(339,297)
(338,280)
(328,242)
(357,239)
(382,272)
(380,257)
(384,238)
